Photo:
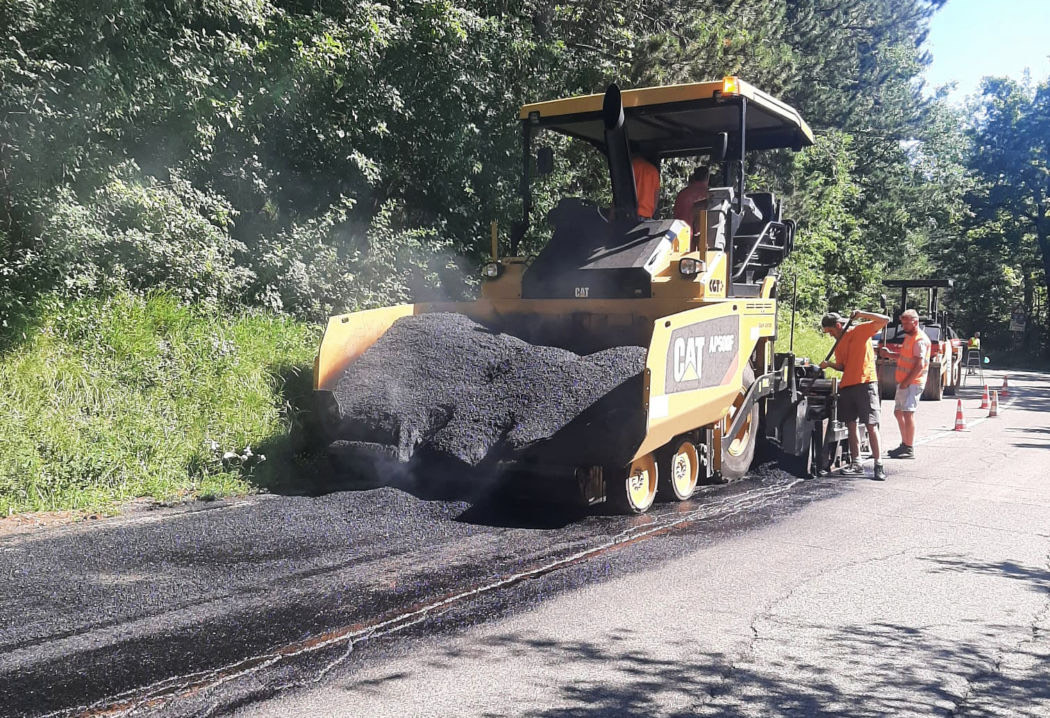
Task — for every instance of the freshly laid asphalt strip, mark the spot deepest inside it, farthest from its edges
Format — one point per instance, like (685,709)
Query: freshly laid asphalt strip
(447,388)
(92,610)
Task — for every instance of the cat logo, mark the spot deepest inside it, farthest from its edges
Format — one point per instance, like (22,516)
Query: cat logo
(582,292)
(688,358)
(716,286)
(702,355)
(689,354)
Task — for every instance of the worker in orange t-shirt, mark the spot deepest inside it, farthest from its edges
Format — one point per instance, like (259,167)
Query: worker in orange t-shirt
(859,387)
(646,186)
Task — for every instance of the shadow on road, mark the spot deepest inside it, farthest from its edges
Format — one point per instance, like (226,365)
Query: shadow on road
(1037,576)
(879,670)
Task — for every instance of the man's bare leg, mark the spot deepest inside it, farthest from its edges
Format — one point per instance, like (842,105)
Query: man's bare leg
(899,416)
(874,441)
(854,441)
(908,427)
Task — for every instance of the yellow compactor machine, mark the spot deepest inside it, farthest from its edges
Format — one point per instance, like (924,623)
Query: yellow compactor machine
(701,298)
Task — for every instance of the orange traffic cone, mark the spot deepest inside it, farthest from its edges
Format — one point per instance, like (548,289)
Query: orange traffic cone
(984,399)
(1005,391)
(960,423)
(994,409)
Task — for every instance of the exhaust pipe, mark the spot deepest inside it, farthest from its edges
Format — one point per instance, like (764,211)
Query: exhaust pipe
(618,153)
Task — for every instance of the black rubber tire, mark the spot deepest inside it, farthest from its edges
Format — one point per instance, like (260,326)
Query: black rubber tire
(953,386)
(934,389)
(887,383)
(735,466)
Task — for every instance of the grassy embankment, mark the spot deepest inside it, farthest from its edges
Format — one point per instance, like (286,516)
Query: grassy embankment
(104,401)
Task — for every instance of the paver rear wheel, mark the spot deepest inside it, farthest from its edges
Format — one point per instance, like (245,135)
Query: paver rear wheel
(681,472)
(739,451)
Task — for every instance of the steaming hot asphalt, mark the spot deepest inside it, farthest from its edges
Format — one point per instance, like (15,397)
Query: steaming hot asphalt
(96,613)
(446,388)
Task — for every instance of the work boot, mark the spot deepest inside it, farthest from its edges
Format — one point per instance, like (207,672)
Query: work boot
(854,469)
(880,473)
(902,452)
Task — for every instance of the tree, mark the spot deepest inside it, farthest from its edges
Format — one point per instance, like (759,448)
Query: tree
(1010,158)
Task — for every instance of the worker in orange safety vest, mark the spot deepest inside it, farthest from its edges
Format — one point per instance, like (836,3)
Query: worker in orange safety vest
(912,366)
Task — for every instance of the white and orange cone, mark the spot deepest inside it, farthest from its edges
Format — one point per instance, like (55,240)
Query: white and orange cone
(1005,391)
(984,399)
(960,423)
(994,409)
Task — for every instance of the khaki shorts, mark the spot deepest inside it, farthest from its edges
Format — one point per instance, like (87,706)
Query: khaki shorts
(907,399)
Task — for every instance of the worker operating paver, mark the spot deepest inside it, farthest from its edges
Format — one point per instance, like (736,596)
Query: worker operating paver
(859,387)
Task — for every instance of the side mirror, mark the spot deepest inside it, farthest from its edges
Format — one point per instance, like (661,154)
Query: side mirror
(544,161)
(721,147)
(882,302)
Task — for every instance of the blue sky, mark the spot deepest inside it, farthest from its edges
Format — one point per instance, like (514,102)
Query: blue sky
(973,38)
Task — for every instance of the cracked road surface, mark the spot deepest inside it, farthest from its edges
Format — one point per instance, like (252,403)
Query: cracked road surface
(925,595)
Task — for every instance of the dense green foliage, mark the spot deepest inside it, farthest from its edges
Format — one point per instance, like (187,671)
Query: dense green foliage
(107,400)
(310,156)
(1003,256)
(294,158)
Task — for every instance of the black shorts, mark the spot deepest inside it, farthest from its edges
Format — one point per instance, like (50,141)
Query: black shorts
(860,402)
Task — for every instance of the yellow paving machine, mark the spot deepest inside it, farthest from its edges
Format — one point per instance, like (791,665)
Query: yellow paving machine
(701,297)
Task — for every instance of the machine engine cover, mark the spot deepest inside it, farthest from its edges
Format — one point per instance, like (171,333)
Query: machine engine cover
(589,257)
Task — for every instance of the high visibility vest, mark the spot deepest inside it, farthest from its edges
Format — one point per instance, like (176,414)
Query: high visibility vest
(907,359)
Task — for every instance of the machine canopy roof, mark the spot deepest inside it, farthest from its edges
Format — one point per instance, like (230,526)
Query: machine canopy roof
(680,120)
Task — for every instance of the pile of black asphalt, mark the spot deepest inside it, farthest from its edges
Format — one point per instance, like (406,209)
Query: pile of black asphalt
(441,387)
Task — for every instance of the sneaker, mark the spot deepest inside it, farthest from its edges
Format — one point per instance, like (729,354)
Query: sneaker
(880,473)
(854,469)
(902,452)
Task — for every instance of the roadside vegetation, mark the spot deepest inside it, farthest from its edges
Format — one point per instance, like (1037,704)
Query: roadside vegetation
(187,190)
(107,400)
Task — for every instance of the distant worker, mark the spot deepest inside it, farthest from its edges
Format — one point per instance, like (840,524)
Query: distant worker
(646,186)
(859,386)
(695,191)
(973,355)
(912,365)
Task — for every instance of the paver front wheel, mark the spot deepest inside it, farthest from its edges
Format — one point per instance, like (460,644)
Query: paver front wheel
(633,490)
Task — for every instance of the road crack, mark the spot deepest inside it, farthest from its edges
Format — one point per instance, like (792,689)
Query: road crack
(1035,636)
(747,655)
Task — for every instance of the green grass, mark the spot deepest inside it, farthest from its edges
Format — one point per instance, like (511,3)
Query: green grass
(810,341)
(104,401)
